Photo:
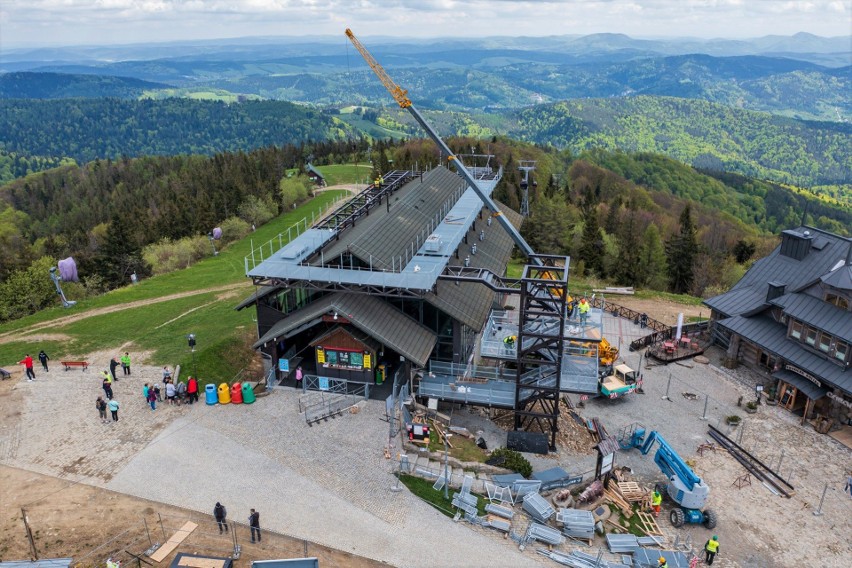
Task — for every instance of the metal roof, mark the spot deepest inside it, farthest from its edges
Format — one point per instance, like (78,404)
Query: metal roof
(772,336)
(385,237)
(805,386)
(387,324)
(749,293)
(840,278)
(470,303)
(371,315)
(43,563)
(816,313)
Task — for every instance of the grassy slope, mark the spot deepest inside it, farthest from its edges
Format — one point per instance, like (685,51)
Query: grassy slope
(160,328)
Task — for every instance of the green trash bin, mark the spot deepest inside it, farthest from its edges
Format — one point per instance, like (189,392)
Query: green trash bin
(248,393)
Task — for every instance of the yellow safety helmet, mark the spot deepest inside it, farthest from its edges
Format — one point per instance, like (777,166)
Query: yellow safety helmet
(662,559)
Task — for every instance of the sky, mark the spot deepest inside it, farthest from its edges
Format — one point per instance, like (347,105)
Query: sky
(34,23)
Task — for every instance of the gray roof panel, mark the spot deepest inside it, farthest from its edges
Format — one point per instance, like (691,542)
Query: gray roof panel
(810,389)
(371,315)
(816,313)
(772,336)
(749,293)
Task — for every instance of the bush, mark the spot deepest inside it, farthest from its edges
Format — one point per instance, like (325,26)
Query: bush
(510,459)
(233,229)
(733,419)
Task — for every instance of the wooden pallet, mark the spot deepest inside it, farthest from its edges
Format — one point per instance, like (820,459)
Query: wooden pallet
(648,524)
(632,491)
(619,502)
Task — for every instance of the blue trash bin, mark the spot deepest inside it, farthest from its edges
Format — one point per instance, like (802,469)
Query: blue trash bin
(210,394)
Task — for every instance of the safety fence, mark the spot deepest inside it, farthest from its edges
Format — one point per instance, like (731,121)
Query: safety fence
(327,397)
(131,544)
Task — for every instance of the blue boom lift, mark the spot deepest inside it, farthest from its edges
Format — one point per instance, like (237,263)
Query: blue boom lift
(685,488)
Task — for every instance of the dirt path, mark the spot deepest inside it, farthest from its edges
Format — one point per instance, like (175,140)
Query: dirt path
(16,335)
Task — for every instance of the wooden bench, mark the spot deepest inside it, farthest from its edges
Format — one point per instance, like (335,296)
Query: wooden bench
(69,364)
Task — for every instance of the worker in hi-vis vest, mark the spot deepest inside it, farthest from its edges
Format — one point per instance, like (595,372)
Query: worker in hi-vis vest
(583,308)
(656,501)
(710,549)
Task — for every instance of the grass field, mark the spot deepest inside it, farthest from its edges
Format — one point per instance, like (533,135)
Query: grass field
(160,328)
(346,173)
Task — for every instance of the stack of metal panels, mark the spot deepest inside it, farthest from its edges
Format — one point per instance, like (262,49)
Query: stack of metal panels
(577,523)
(499,510)
(622,543)
(544,534)
(539,508)
(498,524)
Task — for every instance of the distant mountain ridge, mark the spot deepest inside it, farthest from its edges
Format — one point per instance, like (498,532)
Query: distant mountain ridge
(28,85)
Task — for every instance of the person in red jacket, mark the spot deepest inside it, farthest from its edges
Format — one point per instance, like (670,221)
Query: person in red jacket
(28,363)
(192,389)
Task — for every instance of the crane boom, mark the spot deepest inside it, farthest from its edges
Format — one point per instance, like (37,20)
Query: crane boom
(400,95)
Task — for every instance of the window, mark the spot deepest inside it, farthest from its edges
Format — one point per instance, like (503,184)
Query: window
(767,360)
(841,351)
(837,300)
(796,330)
(810,336)
(825,342)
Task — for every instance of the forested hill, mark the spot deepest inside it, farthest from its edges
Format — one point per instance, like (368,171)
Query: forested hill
(88,129)
(703,134)
(25,85)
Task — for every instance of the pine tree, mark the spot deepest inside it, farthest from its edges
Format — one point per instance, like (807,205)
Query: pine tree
(591,244)
(120,255)
(628,270)
(652,259)
(680,251)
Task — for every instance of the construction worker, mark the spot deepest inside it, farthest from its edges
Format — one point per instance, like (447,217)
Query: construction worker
(583,308)
(509,342)
(656,501)
(710,549)
(661,563)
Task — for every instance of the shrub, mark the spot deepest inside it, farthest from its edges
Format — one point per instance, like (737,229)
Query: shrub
(733,419)
(233,229)
(512,460)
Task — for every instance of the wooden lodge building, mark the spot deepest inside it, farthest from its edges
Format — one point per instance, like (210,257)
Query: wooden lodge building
(790,317)
(362,290)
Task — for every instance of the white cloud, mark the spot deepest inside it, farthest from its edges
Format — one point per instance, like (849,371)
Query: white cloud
(42,22)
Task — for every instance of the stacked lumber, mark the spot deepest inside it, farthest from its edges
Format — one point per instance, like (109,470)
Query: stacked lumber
(616,499)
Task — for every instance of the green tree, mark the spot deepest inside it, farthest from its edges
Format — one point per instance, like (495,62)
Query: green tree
(652,260)
(628,269)
(591,245)
(120,255)
(27,291)
(680,251)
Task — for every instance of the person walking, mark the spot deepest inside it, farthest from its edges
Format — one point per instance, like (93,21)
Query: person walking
(254,524)
(106,384)
(710,550)
(125,363)
(101,405)
(299,376)
(656,502)
(152,399)
(221,515)
(42,356)
(145,390)
(171,392)
(113,365)
(192,389)
(27,362)
(848,487)
(113,408)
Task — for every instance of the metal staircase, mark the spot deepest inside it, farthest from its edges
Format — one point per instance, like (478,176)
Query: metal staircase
(540,344)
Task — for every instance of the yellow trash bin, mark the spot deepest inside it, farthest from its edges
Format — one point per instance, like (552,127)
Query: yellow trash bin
(224,393)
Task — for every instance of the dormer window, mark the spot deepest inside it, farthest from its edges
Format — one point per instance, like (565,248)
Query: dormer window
(810,336)
(825,342)
(796,330)
(837,300)
(841,351)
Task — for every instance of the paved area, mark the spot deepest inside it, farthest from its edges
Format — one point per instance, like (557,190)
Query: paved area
(328,483)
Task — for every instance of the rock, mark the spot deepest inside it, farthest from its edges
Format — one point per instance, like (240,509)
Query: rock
(701,359)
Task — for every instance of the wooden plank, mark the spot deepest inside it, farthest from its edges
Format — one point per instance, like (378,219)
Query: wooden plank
(190,562)
(173,542)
